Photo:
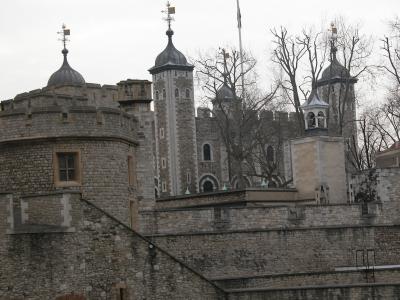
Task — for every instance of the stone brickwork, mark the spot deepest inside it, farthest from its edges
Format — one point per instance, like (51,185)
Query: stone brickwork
(308,279)
(318,167)
(258,217)
(334,94)
(277,251)
(353,292)
(175,130)
(38,125)
(96,261)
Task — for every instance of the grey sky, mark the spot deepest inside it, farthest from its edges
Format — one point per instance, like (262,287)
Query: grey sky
(119,39)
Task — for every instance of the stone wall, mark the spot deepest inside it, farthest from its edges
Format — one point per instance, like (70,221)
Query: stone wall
(210,219)
(277,251)
(96,261)
(305,279)
(344,292)
(28,168)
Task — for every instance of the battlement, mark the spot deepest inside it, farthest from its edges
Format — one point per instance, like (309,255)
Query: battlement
(90,94)
(265,115)
(65,121)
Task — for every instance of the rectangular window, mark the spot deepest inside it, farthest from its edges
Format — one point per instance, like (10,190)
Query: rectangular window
(67,168)
(161,133)
(188,178)
(133,214)
(164,187)
(131,171)
(163,163)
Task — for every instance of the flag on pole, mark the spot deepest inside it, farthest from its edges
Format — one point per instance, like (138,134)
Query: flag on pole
(239,16)
(171,10)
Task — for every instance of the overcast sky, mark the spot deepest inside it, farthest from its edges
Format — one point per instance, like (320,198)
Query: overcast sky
(120,39)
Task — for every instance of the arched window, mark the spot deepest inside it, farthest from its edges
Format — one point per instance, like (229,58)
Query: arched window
(321,119)
(176,93)
(187,94)
(157,95)
(270,154)
(206,152)
(164,94)
(208,186)
(311,120)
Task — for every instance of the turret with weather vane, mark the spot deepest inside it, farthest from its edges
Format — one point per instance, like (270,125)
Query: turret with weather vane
(176,148)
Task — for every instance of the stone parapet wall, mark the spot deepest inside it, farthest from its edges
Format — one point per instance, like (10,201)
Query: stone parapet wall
(90,94)
(163,221)
(56,121)
(281,281)
(261,252)
(343,292)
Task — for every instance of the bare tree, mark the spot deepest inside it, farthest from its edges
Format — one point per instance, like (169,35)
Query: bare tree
(287,54)
(237,119)
(391,50)
(354,50)
(362,148)
(302,58)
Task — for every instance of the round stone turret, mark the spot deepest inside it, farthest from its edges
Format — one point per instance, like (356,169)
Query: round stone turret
(65,75)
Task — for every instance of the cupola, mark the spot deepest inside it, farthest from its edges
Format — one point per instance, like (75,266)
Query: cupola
(65,75)
(315,112)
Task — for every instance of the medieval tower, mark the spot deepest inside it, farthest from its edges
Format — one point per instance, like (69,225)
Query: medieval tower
(336,86)
(175,128)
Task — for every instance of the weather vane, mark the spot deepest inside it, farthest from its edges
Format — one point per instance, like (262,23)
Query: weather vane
(333,39)
(333,31)
(169,11)
(64,34)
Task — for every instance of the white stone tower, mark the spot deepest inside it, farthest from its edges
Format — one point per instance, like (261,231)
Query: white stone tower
(317,159)
(175,128)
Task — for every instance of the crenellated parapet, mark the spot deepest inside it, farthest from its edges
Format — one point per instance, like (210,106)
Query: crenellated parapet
(66,121)
(90,94)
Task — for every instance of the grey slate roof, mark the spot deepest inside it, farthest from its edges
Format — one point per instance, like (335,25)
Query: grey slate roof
(314,101)
(335,72)
(224,93)
(170,58)
(66,75)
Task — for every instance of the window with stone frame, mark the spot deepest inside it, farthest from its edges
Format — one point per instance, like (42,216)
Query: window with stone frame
(187,94)
(206,152)
(164,94)
(163,187)
(157,95)
(176,93)
(67,168)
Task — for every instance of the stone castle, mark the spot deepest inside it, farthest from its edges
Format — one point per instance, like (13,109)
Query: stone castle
(102,198)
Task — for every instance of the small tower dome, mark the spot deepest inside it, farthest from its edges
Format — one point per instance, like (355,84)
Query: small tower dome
(170,58)
(65,75)
(224,93)
(315,112)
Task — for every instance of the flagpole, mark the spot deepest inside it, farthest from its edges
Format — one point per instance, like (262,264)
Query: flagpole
(239,20)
